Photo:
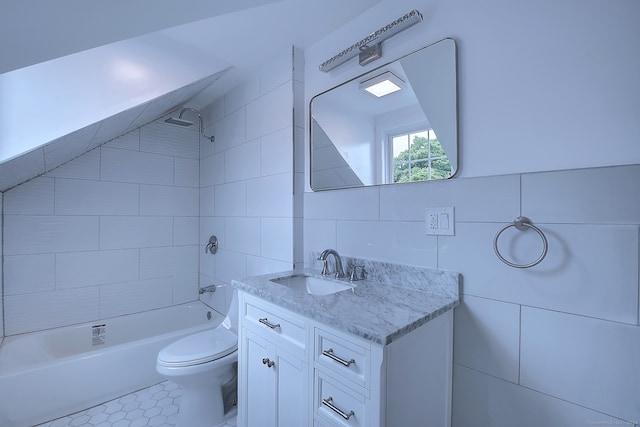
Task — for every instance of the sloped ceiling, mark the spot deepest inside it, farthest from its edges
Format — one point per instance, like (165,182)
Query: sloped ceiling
(34,31)
(76,74)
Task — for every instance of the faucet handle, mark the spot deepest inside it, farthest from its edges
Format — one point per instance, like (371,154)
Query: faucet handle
(353,276)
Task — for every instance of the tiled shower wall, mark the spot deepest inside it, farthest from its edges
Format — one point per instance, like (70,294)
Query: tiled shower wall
(112,232)
(247,176)
(554,345)
(122,228)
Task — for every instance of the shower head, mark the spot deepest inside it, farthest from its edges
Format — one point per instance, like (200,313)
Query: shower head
(179,121)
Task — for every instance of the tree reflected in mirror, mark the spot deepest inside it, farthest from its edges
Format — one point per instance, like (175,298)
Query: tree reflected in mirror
(419,157)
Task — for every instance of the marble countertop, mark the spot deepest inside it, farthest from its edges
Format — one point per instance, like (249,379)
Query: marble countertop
(380,309)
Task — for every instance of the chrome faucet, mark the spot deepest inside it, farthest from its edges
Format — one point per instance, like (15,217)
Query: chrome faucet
(325,269)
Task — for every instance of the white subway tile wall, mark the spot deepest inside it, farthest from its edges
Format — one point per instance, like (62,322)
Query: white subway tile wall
(487,336)
(112,232)
(25,274)
(587,361)
(35,198)
(89,167)
(135,166)
(271,196)
(246,179)
(557,344)
(485,400)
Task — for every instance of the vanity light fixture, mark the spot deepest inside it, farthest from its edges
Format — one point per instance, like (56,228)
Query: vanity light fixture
(369,48)
(382,84)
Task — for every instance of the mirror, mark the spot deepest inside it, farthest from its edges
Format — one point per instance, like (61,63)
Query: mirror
(411,134)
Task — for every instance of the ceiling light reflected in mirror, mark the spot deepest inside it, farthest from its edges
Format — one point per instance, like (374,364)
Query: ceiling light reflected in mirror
(384,84)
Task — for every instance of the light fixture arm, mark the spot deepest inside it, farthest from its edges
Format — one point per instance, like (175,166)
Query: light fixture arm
(367,44)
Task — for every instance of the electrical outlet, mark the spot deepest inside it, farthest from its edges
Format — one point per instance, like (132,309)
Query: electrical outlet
(440,221)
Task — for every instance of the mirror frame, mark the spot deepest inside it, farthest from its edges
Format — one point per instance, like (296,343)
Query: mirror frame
(370,74)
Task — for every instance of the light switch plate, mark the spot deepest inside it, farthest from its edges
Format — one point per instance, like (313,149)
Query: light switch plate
(440,221)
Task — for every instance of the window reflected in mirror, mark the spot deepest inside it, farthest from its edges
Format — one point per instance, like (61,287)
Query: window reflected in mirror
(418,156)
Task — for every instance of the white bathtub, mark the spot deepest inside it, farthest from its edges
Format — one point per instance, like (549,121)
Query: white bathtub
(48,374)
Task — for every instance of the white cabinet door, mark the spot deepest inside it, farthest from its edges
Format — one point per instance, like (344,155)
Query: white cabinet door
(277,394)
(261,391)
(274,371)
(293,390)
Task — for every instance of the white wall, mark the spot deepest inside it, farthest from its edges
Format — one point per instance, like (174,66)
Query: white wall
(112,232)
(247,177)
(537,81)
(556,344)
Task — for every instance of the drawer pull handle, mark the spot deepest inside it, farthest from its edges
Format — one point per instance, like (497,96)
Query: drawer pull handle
(264,321)
(329,403)
(268,362)
(330,355)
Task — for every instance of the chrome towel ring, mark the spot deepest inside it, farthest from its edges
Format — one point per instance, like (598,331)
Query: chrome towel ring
(521,223)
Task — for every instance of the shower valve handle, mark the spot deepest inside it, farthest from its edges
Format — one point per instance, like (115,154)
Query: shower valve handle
(212,246)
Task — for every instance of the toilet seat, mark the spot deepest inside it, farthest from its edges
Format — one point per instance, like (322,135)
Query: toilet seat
(199,348)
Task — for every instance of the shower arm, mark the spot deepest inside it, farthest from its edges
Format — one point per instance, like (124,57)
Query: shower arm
(193,110)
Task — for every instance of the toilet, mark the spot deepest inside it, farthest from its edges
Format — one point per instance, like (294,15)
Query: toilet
(204,365)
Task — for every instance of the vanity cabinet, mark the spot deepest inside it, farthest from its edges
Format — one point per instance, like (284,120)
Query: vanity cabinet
(323,376)
(273,366)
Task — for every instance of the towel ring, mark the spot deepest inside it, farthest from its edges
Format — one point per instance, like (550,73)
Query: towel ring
(521,223)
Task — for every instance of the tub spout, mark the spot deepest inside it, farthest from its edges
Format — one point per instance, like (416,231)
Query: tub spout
(210,288)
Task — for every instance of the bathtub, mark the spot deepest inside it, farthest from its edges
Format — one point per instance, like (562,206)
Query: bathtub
(49,374)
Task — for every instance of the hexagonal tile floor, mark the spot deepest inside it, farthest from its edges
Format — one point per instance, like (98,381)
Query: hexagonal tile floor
(155,406)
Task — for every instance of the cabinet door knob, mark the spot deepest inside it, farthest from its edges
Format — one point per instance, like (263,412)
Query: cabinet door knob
(329,403)
(268,362)
(266,322)
(330,355)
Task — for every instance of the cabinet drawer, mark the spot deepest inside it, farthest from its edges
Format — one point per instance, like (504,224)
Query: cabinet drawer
(336,404)
(275,323)
(346,358)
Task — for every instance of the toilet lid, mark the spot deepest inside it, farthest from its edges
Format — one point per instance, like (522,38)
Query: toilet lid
(201,347)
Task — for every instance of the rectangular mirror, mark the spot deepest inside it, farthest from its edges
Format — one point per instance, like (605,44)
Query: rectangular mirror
(361,137)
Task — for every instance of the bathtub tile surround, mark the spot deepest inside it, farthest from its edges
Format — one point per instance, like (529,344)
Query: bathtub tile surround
(551,341)
(392,301)
(155,406)
(247,177)
(121,228)
(112,232)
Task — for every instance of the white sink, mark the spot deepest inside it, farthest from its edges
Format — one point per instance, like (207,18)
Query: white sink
(314,285)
